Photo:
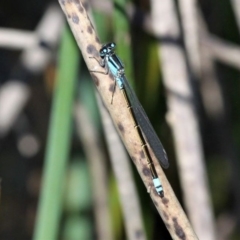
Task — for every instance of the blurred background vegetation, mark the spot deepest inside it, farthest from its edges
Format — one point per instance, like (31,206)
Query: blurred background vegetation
(37,96)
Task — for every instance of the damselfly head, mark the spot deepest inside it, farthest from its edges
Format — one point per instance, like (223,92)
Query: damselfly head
(107,49)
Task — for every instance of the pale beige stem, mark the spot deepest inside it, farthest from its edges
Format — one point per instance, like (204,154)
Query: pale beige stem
(98,169)
(182,117)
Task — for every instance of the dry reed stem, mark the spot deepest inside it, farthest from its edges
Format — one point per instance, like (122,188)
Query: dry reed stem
(168,207)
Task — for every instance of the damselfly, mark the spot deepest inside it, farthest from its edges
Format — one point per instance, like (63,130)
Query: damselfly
(112,63)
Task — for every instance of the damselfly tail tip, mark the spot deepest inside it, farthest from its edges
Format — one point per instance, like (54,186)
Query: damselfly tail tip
(161,194)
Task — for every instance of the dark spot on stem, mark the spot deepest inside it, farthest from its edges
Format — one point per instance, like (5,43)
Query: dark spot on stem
(121,128)
(80,8)
(75,18)
(85,5)
(112,88)
(165,201)
(95,79)
(142,155)
(168,226)
(97,39)
(92,50)
(68,15)
(89,29)
(146,171)
(178,229)
(111,76)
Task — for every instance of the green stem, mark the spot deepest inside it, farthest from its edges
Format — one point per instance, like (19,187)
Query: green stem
(50,205)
